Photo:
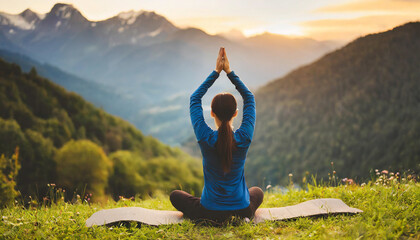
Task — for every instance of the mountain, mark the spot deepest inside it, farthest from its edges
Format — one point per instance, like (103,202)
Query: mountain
(357,107)
(31,17)
(40,117)
(146,58)
(26,20)
(130,44)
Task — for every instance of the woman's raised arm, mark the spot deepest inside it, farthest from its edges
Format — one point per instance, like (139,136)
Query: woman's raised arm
(249,112)
(201,129)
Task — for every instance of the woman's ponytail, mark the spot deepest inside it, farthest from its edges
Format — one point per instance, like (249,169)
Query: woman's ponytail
(224,106)
(225,145)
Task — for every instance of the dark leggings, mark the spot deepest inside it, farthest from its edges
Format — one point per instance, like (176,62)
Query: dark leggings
(192,208)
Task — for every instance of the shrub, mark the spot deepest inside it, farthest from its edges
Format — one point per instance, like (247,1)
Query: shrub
(9,168)
(83,163)
(125,179)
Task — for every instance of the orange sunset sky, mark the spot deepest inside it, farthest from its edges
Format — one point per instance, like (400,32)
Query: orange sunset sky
(340,20)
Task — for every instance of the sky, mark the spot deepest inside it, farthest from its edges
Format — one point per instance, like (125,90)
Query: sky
(340,20)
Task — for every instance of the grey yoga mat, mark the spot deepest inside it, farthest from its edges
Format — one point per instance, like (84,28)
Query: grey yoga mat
(322,206)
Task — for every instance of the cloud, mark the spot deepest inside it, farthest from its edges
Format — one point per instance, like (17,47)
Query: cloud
(391,6)
(348,29)
(356,18)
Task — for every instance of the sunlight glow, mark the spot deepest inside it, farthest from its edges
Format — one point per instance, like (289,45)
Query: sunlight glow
(320,19)
(288,30)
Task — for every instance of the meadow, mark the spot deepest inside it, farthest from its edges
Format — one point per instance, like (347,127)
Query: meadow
(390,205)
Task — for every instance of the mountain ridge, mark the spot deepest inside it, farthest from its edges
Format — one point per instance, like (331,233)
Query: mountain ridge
(356,106)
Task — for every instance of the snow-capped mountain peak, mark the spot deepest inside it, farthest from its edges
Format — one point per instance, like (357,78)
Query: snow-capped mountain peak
(130,16)
(18,21)
(64,11)
(63,17)
(29,15)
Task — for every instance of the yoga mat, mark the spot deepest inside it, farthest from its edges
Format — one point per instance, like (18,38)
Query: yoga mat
(322,206)
(316,207)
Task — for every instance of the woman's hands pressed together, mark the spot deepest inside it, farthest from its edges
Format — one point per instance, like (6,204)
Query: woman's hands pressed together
(222,62)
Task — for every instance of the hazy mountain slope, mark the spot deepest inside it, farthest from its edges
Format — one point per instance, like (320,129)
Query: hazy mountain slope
(357,107)
(96,93)
(6,43)
(279,54)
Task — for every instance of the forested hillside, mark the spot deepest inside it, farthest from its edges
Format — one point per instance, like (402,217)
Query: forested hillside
(57,132)
(358,107)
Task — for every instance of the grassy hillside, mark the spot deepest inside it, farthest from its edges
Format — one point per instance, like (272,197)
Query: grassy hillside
(391,211)
(41,117)
(357,107)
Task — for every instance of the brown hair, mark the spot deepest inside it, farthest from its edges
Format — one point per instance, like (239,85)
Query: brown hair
(224,106)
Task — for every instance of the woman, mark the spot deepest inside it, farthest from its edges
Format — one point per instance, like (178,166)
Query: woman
(225,193)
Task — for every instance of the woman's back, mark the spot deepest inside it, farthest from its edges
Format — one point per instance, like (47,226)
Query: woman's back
(223,191)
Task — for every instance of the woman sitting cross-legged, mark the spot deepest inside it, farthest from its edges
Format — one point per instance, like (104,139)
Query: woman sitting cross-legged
(225,193)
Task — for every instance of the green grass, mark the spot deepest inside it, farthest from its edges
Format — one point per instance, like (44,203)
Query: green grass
(390,211)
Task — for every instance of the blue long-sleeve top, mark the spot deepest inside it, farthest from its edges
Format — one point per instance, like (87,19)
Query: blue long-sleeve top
(223,191)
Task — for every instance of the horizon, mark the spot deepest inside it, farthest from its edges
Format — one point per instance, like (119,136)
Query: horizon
(330,20)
